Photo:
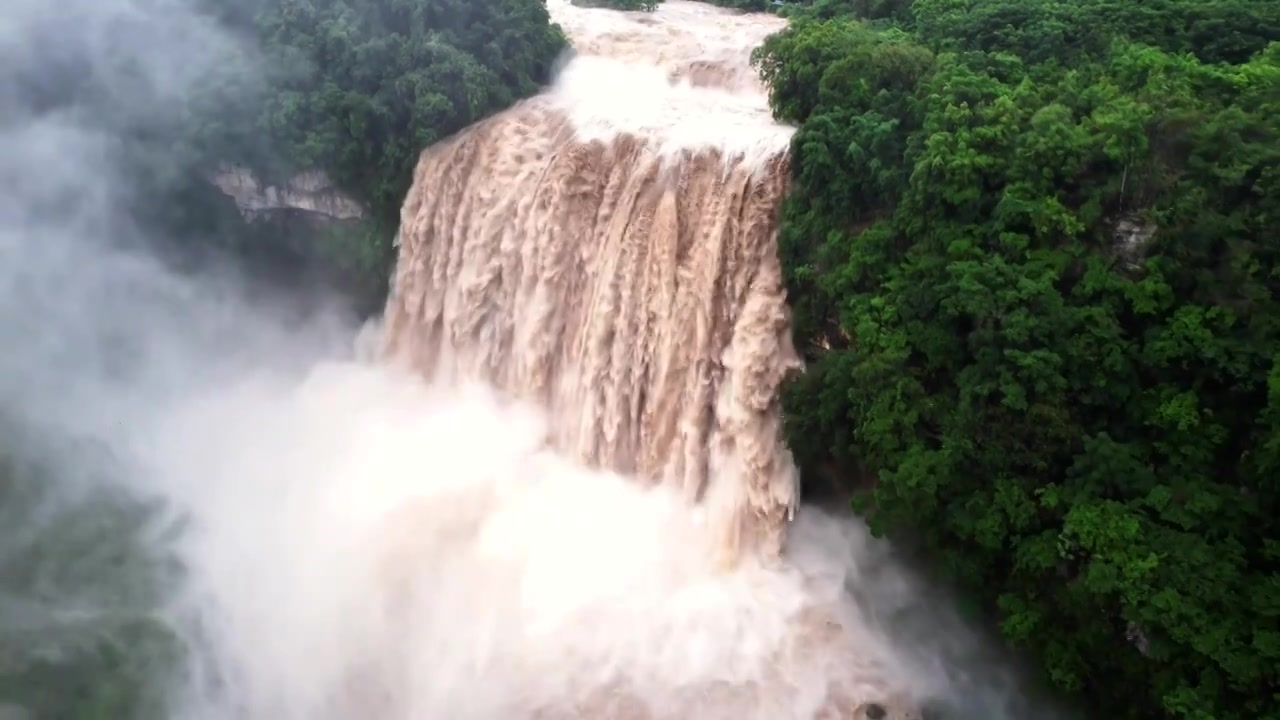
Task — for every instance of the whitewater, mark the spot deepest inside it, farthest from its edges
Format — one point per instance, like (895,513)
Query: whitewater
(550,483)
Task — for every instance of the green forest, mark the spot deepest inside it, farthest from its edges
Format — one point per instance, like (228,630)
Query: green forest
(1032,253)
(1030,249)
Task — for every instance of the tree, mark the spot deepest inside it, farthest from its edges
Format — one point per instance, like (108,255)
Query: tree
(379,80)
(1030,252)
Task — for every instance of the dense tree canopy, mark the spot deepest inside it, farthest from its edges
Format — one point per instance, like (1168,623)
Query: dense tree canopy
(379,80)
(1032,255)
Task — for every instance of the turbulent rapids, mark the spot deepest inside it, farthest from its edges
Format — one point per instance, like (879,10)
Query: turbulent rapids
(606,250)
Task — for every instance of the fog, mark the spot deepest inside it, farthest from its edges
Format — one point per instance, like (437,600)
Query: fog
(101,343)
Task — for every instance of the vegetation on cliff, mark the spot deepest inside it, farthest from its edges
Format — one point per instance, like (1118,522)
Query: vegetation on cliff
(1032,255)
(378,80)
(360,87)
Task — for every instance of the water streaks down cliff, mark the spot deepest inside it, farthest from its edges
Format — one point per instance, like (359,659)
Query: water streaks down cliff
(610,255)
(606,251)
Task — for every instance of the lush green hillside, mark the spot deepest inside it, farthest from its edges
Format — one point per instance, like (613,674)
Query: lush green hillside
(382,79)
(361,86)
(1033,258)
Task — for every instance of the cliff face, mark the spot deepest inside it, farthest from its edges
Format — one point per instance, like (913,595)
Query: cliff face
(298,231)
(310,192)
(1131,238)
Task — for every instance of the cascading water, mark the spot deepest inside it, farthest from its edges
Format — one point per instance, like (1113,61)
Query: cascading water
(554,491)
(610,256)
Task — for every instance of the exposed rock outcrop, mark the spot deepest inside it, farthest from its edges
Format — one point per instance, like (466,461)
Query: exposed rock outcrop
(311,192)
